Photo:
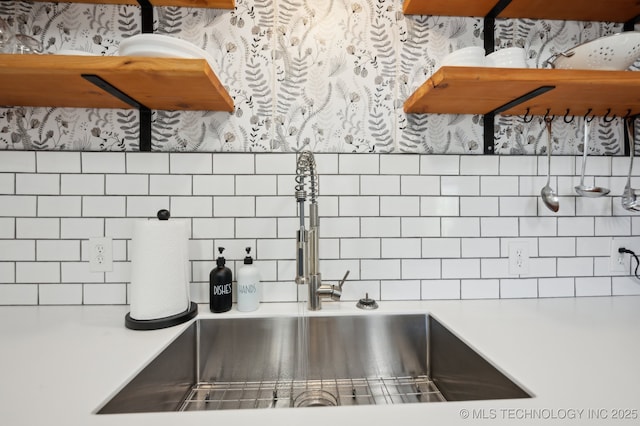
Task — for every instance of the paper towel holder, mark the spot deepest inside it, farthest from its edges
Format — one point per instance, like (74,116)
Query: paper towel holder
(166,322)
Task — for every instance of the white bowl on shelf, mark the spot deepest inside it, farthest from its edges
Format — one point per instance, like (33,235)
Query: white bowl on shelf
(162,46)
(510,57)
(472,56)
(614,53)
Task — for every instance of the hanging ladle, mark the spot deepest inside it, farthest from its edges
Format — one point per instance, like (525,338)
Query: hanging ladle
(629,200)
(582,189)
(549,197)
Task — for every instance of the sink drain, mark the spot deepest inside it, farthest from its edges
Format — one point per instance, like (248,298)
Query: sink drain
(315,398)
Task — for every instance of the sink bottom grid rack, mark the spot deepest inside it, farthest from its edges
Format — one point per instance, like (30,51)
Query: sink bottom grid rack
(284,393)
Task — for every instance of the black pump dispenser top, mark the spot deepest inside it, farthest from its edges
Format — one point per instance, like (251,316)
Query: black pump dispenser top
(248,260)
(220,261)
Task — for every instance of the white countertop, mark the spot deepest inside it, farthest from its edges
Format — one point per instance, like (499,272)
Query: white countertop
(579,357)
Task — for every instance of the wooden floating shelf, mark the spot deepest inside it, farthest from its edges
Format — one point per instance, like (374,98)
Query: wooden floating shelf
(571,10)
(472,90)
(157,83)
(213,4)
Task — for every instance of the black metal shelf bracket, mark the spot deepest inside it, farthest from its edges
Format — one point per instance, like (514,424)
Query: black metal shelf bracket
(145,113)
(489,119)
(630,25)
(490,25)
(146,16)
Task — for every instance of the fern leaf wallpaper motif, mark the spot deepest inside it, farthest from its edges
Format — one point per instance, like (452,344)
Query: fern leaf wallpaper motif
(326,75)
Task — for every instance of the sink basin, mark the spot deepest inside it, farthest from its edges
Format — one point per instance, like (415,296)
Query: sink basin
(244,363)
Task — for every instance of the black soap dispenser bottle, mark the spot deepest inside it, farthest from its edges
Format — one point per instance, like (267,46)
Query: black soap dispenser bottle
(220,293)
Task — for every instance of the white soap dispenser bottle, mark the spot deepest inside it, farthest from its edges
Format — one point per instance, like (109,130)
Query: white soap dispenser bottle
(249,291)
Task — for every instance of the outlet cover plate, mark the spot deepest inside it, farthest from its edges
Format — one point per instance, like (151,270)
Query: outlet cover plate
(518,258)
(100,254)
(620,262)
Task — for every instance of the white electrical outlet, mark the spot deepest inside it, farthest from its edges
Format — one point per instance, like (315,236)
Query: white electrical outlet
(100,254)
(619,262)
(518,258)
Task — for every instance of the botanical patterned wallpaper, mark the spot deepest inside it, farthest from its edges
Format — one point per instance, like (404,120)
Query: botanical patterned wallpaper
(330,75)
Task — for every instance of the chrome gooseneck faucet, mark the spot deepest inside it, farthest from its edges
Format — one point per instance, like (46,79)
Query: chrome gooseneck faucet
(307,241)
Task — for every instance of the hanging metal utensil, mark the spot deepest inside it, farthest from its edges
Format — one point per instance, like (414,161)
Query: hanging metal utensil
(582,189)
(629,199)
(549,196)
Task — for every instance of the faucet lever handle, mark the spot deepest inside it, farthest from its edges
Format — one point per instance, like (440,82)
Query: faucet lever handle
(341,283)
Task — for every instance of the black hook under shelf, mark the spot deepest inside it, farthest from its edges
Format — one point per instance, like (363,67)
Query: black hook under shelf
(145,112)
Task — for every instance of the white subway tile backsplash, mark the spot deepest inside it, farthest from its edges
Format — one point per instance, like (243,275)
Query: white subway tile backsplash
(479,289)
(499,185)
(37,272)
(419,185)
(147,162)
(233,164)
(204,206)
(557,247)
(382,227)
(481,247)
(60,294)
(146,207)
(400,290)
(379,185)
(38,184)
(575,266)
(193,163)
(103,206)
(439,248)
(420,269)
(460,268)
(58,162)
(8,227)
(358,206)
(556,287)
(612,225)
(18,161)
(600,286)
(7,274)
(439,206)
(256,185)
(278,164)
(104,294)
(460,226)
(18,294)
(407,226)
(499,226)
(57,250)
(405,248)
(440,289)
(82,184)
(337,185)
(518,288)
(60,206)
(358,164)
(460,185)
(399,164)
(170,185)
(399,206)
(380,269)
(340,227)
(575,226)
(18,205)
(439,165)
(37,227)
(484,165)
(516,165)
(17,250)
(357,248)
(103,162)
(126,184)
(479,206)
(7,183)
(256,227)
(416,227)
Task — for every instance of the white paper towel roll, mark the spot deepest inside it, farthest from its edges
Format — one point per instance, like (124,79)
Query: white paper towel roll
(159,269)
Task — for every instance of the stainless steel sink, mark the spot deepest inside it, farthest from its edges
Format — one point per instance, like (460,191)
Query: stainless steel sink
(350,360)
